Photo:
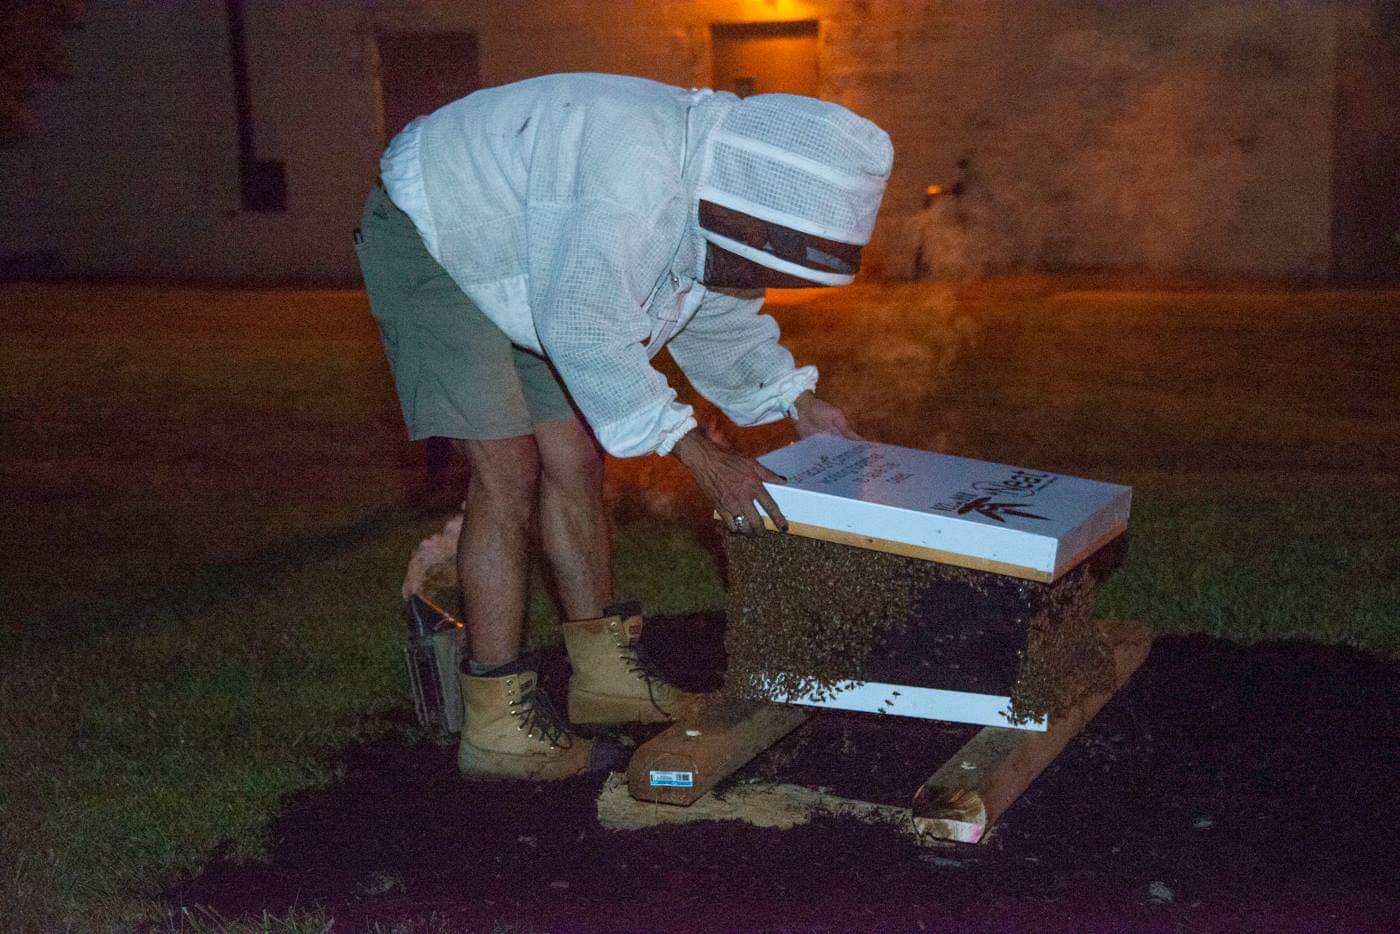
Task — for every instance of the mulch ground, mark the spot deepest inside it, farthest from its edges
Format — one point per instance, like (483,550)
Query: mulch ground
(1223,788)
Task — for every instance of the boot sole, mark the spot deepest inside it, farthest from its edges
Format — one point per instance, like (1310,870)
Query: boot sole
(479,764)
(596,710)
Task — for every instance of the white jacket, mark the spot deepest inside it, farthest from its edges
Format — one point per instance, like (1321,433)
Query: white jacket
(565,208)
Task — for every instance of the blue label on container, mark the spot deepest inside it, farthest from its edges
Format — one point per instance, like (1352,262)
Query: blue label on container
(673,779)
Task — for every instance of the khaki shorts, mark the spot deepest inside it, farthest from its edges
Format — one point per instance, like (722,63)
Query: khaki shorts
(457,374)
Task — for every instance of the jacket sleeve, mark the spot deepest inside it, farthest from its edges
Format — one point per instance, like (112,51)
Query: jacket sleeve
(587,266)
(731,355)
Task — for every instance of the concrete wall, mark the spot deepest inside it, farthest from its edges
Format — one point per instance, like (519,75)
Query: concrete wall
(136,170)
(1194,135)
(1142,135)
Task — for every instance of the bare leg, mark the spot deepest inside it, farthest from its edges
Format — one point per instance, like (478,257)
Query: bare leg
(493,559)
(574,526)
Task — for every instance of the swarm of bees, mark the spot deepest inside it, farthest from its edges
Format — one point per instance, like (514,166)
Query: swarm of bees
(1066,656)
(805,615)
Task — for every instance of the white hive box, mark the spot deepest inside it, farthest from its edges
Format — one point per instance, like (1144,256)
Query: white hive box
(1028,526)
(1023,523)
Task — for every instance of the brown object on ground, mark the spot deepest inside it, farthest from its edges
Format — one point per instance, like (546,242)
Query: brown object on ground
(964,798)
(959,803)
(806,614)
(1205,796)
(711,745)
(761,804)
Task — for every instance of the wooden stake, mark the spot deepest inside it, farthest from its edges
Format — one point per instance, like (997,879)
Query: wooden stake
(965,797)
(695,754)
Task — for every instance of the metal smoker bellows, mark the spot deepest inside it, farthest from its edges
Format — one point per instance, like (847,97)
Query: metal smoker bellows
(433,656)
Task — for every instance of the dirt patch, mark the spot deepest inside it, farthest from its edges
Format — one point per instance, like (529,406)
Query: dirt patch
(1223,787)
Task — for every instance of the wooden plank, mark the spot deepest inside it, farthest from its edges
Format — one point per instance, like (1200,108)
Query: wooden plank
(965,797)
(762,804)
(904,550)
(681,764)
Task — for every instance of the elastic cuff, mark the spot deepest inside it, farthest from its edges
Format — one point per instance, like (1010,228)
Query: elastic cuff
(806,379)
(676,434)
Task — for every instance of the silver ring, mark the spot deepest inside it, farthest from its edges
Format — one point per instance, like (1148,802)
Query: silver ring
(740,521)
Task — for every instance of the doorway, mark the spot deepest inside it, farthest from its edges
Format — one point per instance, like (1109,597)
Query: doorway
(418,73)
(421,71)
(1366,146)
(763,58)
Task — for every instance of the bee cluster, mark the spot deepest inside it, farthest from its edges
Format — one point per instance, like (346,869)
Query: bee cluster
(805,615)
(1065,657)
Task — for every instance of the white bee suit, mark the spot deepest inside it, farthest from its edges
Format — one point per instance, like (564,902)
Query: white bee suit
(566,208)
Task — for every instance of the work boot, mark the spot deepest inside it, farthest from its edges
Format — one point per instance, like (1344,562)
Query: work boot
(613,680)
(511,730)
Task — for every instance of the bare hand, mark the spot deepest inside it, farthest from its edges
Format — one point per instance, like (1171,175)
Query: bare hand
(817,417)
(732,482)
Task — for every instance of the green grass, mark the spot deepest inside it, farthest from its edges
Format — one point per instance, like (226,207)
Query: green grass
(209,514)
(1222,555)
(1259,430)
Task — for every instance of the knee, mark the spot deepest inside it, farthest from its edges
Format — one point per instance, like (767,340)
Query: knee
(573,463)
(505,478)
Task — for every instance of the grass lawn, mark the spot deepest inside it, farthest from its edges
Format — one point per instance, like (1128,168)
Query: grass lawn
(210,509)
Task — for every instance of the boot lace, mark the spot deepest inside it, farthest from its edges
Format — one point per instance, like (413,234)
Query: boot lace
(644,666)
(535,711)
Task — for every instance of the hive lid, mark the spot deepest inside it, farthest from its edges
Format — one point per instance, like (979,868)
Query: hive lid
(1024,523)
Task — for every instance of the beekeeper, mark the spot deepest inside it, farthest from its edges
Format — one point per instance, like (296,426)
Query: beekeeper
(527,252)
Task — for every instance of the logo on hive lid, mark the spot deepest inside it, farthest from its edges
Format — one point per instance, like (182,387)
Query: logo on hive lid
(1019,483)
(984,506)
(987,497)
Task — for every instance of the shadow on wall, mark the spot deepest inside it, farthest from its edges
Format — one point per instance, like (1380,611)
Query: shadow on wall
(1129,140)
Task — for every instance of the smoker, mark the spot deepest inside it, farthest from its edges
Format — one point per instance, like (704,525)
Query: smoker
(433,655)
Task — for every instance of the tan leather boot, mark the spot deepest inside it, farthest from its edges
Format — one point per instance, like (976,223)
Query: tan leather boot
(511,730)
(613,681)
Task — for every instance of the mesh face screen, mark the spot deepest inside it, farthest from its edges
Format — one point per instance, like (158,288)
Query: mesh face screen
(791,190)
(815,253)
(803,163)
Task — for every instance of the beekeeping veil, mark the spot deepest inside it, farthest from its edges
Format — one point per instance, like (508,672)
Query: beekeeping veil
(810,170)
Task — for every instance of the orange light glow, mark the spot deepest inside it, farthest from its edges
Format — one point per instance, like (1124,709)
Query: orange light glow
(933,190)
(774,9)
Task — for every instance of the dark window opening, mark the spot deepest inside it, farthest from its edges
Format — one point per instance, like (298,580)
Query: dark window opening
(1366,146)
(420,71)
